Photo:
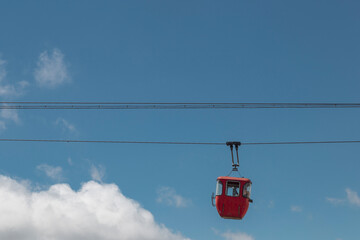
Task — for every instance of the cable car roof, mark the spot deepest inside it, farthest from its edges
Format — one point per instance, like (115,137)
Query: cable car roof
(234,178)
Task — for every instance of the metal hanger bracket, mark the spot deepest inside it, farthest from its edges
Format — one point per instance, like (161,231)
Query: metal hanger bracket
(236,144)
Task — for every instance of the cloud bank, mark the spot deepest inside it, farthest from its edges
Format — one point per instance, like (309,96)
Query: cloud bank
(95,212)
(51,69)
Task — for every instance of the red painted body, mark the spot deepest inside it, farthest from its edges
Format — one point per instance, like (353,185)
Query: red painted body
(232,201)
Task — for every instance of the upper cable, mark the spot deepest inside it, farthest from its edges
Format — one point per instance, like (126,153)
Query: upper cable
(179,105)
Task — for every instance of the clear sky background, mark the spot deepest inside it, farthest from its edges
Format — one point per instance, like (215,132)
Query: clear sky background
(179,51)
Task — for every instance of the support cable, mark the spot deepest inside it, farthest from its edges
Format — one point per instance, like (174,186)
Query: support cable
(140,106)
(173,143)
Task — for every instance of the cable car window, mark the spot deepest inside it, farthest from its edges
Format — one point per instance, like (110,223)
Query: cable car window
(247,190)
(219,188)
(232,189)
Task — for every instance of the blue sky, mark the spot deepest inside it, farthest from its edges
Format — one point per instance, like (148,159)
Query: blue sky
(180,51)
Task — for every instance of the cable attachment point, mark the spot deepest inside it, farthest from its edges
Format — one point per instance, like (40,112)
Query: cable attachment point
(236,144)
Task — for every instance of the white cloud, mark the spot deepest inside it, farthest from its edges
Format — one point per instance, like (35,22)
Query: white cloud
(236,236)
(96,211)
(97,172)
(2,125)
(352,198)
(51,69)
(296,208)
(335,201)
(66,125)
(9,90)
(5,90)
(70,161)
(2,70)
(23,84)
(6,116)
(13,90)
(169,196)
(10,114)
(50,171)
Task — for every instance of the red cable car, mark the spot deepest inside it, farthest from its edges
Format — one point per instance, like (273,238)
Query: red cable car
(232,193)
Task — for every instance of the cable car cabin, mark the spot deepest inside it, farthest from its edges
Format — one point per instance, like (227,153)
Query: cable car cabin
(232,197)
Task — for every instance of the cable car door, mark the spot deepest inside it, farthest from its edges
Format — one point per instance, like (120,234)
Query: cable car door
(232,208)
